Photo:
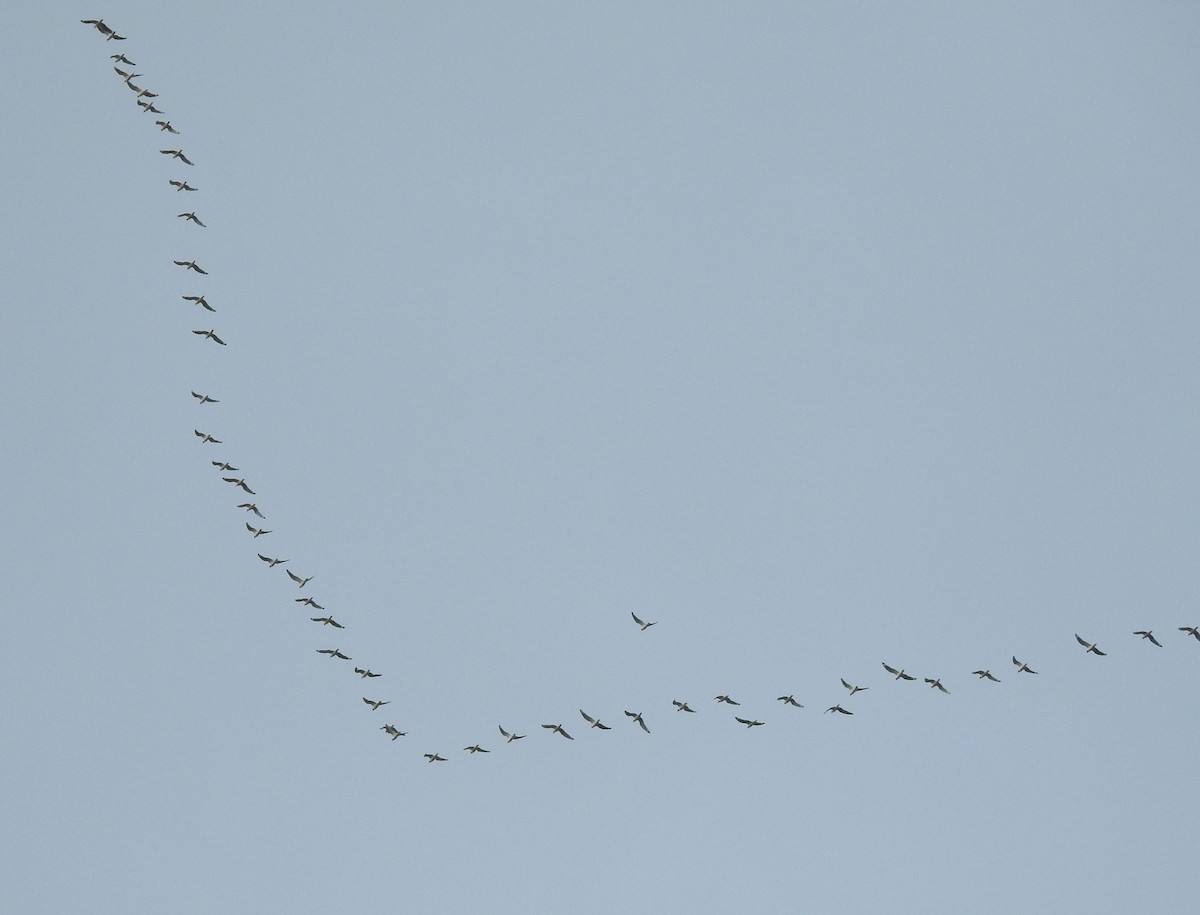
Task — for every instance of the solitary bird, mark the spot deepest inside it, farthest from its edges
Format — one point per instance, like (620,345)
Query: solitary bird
(726,700)
(298,580)
(682,706)
(375,703)
(594,722)
(211,335)
(1193,631)
(434,757)
(165,125)
(122,59)
(854,689)
(748,723)
(558,729)
(476,748)
(100,27)
(637,718)
(204,398)
(838,709)
(251,507)
(256,531)
(191,217)
(642,623)
(510,737)
(790,700)
(181,186)
(937,684)
(1148,634)
(240,483)
(364,673)
(149,108)
(199,300)
(327,621)
(271,563)
(177,154)
(1088,647)
(985,675)
(333,653)
(192,265)
(900,674)
(1022,667)
(393,731)
(205,438)
(308,601)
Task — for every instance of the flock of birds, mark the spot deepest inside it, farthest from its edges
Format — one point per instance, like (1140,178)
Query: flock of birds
(144,99)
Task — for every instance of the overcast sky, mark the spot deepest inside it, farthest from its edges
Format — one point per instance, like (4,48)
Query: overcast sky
(823,335)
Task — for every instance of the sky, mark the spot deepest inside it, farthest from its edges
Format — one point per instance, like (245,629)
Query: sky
(823,335)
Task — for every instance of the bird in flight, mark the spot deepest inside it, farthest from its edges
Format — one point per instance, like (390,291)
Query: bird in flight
(392,730)
(192,265)
(790,700)
(122,59)
(637,718)
(375,703)
(327,621)
(165,125)
(100,27)
(1148,634)
(126,76)
(1088,647)
(1022,667)
(211,335)
(224,465)
(937,684)
(308,601)
(510,737)
(364,673)
(682,706)
(434,757)
(642,623)
(240,482)
(181,186)
(985,675)
(726,700)
(558,729)
(333,653)
(838,709)
(177,154)
(1193,631)
(144,93)
(150,108)
(476,748)
(594,722)
(204,398)
(256,531)
(900,674)
(748,722)
(252,507)
(199,300)
(191,217)
(854,689)
(298,580)
(271,563)
(205,438)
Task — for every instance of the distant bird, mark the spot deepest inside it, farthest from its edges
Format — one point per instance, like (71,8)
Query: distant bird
(1022,667)
(985,675)
(204,398)
(308,601)
(205,438)
(364,673)
(594,722)
(126,76)
(191,217)
(298,580)
(790,700)
(333,653)
(1193,631)
(271,563)
(854,689)
(375,703)
(900,675)
(642,623)
(122,59)
(937,684)
(256,531)
(327,621)
(748,722)
(143,93)
(192,265)
(510,737)
(558,729)
(149,108)
(240,483)
(726,700)
(838,709)
(100,27)
(637,718)
(251,507)
(434,757)
(177,154)
(181,186)
(165,125)
(199,300)
(682,706)
(1148,634)
(1088,647)
(223,466)
(476,748)
(392,730)
(211,335)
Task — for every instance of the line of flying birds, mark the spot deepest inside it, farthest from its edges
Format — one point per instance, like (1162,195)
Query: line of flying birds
(636,719)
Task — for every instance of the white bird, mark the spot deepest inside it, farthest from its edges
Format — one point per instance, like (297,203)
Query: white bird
(181,186)
(204,398)
(271,563)
(327,621)
(300,581)
(637,718)
(594,722)
(122,59)
(251,507)
(1148,634)
(205,438)
(558,729)
(100,27)
(143,93)
(308,602)
(1088,647)
(199,300)
(510,737)
(839,709)
(177,154)
(191,217)
(256,531)
(1022,667)
(642,623)
(900,675)
(211,335)
(937,684)
(748,723)
(682,706)
(165,125)
(192,265)
(790,700)
(854,689)
(985,675)
(333,653)
(126,76)
(726,700)
(149,108)
(240,483)
(375,703)
(434,757)
(393,731)
(223,466)
(362,672)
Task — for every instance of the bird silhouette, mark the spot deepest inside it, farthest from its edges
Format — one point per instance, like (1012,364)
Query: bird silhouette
(1148,634)
(364,673)
(204,398)
(682,706)
(209,334)
(838,709)
(334,653)
(748,722)
(434,757)
(327,621)
(192,265)
(726,700)
(181,186)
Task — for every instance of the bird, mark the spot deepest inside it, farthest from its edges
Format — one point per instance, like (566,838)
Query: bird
(333,653)
(191,217)
(726,700)
(192,265)
(900,675)
(364,673)
(790,700)
(181,186)
(308,601)
(1193,631)
(256,531)
(252,507)
(327,621)
(985,675)
(937,684)
(594,722)
(510,737)
(150,108)
(224,465)
(126,76)
(682,706)
(838,709)
(100,27)
(854,689)
(393,731)
(637,718)
(177,154)
(642,623)
(271,563)
(748,722)
(558,729)
(1148,634)
(1088,647)
(144,93)
(434,757)
(240,483)
(205,438)
(298,580)
(122,59)
(1022,667)
(204,398)
(476,748)
(375,703)
(211,335)
(165,125)
(199,300)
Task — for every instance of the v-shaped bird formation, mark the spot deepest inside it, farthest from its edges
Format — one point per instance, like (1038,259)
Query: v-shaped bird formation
(897,674)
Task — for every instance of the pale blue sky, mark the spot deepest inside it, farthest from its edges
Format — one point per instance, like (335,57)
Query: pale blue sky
(823,334)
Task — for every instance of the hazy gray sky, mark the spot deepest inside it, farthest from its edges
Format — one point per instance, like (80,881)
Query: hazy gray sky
(825,335)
